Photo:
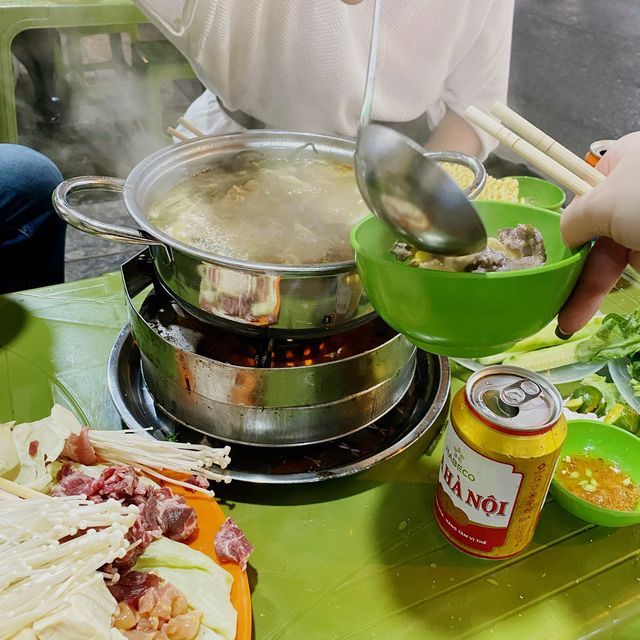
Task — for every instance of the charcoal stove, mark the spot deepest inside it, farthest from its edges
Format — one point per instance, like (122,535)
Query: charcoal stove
(298,408)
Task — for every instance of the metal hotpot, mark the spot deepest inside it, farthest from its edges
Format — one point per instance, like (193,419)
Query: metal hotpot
(217,289)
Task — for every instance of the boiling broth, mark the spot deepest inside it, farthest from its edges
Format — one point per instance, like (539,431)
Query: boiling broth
(275,210)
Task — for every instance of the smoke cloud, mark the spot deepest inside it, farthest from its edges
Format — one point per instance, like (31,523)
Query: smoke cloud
(96,110)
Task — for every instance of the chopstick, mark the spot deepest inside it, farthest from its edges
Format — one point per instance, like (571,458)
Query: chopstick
(527,151)
(177,134)
(191,127)
(18,490)
(546,144)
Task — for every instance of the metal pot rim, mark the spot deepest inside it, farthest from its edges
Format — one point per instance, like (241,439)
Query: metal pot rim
(270,371)
(167,155)
(276,371)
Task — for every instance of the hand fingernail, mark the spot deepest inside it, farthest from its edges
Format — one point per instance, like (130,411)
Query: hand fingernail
(562,335)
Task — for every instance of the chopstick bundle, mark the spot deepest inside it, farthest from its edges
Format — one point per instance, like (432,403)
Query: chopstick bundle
(546,144)
(529,152)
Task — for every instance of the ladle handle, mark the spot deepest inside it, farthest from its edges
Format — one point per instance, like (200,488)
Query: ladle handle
(365,113)
(83,222)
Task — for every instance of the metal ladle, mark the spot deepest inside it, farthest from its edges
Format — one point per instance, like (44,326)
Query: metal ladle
(405,188)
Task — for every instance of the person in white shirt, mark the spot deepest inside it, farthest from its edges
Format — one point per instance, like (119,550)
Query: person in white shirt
(301,64)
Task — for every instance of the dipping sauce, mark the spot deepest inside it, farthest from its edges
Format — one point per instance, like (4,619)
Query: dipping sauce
(599,482)
(254,207)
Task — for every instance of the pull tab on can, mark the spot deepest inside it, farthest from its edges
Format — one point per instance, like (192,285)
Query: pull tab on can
(517,394)
(514,398)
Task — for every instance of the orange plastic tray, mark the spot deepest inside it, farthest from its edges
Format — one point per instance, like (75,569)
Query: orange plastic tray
(210,519)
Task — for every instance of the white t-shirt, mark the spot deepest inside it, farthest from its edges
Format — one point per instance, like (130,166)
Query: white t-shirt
(301,64)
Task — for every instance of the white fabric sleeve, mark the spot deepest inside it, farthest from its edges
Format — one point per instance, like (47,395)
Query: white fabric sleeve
(167,15)
(206,113)
(482,76)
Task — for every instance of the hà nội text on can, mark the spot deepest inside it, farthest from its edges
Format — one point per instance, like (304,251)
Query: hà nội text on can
(501,448)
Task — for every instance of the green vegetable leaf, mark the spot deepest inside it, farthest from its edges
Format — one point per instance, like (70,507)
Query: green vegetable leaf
(50,434)
(617,337)
(633,369)
(9,460)
(546,337)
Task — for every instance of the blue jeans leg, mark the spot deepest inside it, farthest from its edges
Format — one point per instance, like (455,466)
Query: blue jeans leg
(31,233)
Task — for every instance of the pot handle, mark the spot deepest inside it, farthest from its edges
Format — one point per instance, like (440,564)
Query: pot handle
(479,172)
(94,227)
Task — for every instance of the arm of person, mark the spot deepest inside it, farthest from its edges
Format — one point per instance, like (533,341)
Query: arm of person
(611,213)
(454,133)
(481,76)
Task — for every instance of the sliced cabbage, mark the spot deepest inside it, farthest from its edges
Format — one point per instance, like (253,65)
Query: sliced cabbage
(9,459)
(50,434)
(204,633)
(206,585)
(26,634)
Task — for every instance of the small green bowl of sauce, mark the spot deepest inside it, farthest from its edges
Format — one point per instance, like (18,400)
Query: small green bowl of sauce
(597,477)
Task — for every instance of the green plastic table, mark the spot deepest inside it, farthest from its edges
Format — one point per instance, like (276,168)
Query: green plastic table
(358,558)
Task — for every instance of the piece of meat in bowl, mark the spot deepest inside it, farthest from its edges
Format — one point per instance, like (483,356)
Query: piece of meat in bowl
(524,241)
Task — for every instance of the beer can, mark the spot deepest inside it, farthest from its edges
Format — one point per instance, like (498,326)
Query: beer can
(597,150)
(501,449)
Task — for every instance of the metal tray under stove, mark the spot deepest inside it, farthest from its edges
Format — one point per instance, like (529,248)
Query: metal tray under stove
(414,422)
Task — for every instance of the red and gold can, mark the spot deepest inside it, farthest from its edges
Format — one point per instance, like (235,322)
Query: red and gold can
(501,449)
(597,150)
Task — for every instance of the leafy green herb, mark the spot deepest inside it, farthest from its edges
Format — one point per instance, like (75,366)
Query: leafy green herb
(634,372)
(618,337)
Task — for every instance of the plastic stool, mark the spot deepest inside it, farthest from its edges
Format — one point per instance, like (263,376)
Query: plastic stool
(20,15)
(160,62)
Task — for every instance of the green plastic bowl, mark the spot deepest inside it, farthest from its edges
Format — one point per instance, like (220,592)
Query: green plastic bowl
(593,438)
(540,193)
(468,315)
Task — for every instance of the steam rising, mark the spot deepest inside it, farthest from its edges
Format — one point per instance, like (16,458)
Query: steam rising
(112,112)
